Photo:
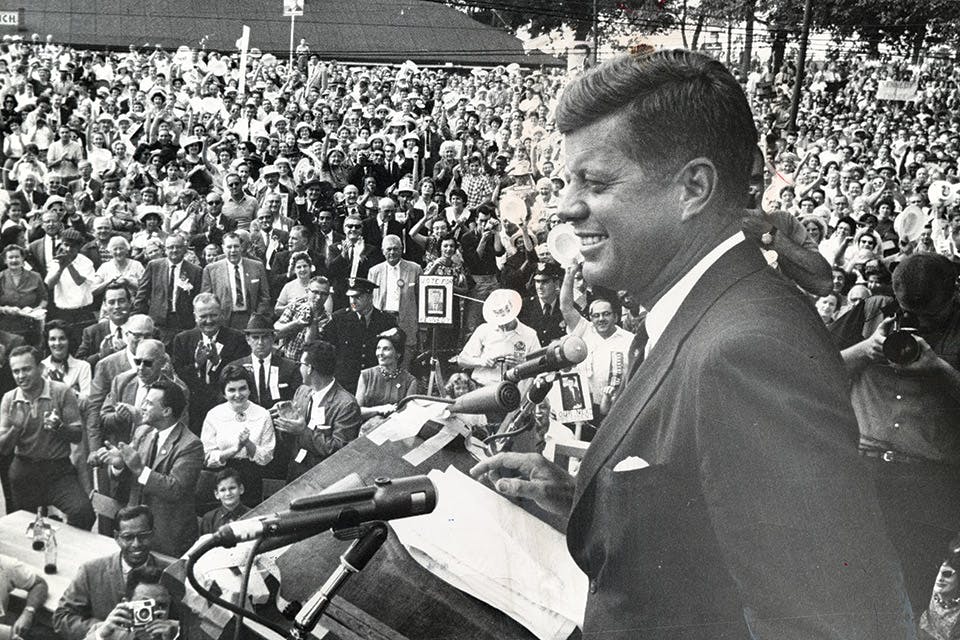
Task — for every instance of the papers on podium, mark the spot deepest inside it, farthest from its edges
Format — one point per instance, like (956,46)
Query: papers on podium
(481,543)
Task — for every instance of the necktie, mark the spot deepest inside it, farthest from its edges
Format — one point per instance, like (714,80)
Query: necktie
(152,453)
(546,310)
(263,393)
(638,348)
(238,282)
(173,288)
(119,334)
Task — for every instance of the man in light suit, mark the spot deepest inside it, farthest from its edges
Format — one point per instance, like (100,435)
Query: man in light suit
(239,283)
(101,583)
(119,414)
(200,354)
(160,467)
(396,292)
(138,328)
(723,497)
(167,288)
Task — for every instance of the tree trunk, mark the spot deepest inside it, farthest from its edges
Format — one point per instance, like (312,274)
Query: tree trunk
(916,44)
(683,24)
(778,48)
(696,32)
(745,61)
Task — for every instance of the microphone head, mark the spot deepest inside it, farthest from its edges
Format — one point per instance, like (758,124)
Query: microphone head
(508,395)
(574,349)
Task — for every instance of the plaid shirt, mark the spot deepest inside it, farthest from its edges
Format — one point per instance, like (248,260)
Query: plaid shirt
(301,310)
(479,188)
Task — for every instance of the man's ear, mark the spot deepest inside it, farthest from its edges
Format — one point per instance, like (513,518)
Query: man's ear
(698,181)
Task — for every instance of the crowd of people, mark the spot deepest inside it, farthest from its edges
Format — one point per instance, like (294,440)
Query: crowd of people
(206,289)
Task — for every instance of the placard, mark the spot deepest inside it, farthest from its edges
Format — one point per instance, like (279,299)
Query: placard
(896,90)
(292,8)
(435,299)
(570,399)
(9,18)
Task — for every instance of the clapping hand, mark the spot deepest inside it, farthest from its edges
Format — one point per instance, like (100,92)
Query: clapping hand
(131,458)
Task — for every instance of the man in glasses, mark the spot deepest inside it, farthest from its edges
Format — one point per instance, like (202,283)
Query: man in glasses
(119,413)
(237,205)
(351,259)
(98,586)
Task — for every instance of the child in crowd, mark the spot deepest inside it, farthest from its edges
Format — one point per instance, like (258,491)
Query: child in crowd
(228,492)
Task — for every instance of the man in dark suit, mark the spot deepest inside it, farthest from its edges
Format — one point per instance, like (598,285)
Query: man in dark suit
(117,301)
(101,583)
(239,283)
(382,224)
(200,354)
(332,419)
(167,288)
(723,497)
(541,311)
(352,258)
(43,249)
(353,332)
(160,467)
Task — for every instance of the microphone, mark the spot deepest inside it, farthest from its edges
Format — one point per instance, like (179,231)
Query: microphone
(559,354)
(385,500)
(504,396)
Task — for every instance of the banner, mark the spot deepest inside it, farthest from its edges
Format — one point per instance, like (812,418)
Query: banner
(896,90)
(244,45)
(292,8)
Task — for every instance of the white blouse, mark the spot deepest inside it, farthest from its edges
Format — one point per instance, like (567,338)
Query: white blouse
(221,430)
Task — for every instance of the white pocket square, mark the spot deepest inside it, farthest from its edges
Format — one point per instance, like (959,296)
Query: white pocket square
(631,463)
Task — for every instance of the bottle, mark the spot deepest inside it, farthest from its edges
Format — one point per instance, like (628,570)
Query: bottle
(38,528)
(50,552)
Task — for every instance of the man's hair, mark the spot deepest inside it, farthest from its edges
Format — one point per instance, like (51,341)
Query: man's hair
(922,278)
(131,513)
(230,235)
(24,350)
(322,356)
(206,298)
(117,285)
(173,397)
(144,574)
(226,473)
(677,106)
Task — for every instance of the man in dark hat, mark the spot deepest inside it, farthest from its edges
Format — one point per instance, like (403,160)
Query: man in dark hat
(353,332)
(541,311)
(275,378)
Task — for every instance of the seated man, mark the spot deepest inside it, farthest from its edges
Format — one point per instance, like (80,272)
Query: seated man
(17,575)
(500,342)
(100,584)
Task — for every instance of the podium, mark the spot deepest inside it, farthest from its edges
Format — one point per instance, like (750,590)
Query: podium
(394,597)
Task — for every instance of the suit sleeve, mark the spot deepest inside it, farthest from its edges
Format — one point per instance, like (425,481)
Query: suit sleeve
(141,302)
(73,616)
(264,307)
(343,416)
(109,421)
(87,347)
(778,474)
(206,286)
(181,482)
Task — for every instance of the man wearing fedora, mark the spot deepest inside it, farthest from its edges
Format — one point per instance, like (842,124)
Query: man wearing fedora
(353,332)
(500,342)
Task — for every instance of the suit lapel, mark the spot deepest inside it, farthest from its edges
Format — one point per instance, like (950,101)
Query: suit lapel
(733,266)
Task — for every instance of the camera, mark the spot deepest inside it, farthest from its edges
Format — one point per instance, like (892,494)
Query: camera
(142,612)
(901,346)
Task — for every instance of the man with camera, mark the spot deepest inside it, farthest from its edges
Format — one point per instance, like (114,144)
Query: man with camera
(906,393)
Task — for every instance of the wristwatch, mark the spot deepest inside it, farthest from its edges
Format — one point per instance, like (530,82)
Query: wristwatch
(767,239)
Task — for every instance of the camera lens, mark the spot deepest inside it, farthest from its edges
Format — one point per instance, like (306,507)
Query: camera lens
(901,347)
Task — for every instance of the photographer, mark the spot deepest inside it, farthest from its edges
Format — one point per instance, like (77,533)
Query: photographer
(145,612)
(905,392)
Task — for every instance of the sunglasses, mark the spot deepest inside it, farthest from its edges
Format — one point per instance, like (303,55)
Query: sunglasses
(147,362)
(351,226)
(233,184)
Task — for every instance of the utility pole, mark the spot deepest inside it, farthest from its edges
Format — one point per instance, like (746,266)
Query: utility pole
(596,34)
(801,67)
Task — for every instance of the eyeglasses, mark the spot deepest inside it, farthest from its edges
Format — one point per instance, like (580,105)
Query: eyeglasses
(233,184)
(143,536)
(147,362)
(352,226)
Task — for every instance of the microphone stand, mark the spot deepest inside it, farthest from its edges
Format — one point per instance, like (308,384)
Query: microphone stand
(520,422)
(368,539)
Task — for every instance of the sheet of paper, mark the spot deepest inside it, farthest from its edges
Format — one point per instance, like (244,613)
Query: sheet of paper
(407,423)
(452,427)
(481,543)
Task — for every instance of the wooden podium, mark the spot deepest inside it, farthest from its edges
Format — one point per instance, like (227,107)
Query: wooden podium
(393,598)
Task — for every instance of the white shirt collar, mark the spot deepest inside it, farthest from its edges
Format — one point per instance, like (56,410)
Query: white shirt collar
(163,434)
(666,307)
(322,392)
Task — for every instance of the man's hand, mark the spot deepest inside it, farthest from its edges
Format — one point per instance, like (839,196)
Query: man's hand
(118,621)
(162,630)
(131,458)
(22,625)
(529,475)
(872,347)
(755,223)
(110,455)
(296,427)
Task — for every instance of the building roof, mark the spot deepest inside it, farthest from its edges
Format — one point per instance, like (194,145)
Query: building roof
(361,30)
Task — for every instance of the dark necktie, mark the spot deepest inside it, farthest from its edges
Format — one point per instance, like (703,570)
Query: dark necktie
(119,333)
(546,310)
(638,348)
(263,393)
(173,288)
(152,453)
(238,282)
